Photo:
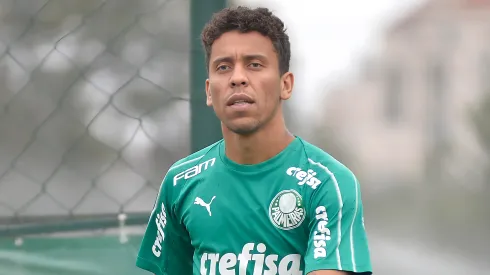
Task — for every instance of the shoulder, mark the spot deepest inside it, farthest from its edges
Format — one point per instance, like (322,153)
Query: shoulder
(329,170)
(190,166)
(202,156)
(338,185)
(325,163)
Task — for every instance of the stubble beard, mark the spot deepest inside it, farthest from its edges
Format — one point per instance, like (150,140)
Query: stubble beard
(245,130)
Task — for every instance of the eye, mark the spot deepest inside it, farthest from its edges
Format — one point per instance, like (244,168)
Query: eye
(222,67)
(255,65)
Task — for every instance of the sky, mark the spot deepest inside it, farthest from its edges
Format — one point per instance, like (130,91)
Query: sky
(330,37)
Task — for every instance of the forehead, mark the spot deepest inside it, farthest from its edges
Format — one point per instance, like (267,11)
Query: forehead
(236,44)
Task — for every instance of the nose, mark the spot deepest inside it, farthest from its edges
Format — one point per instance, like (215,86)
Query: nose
(238,78)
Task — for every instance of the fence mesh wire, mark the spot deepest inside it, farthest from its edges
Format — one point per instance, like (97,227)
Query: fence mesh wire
(94,106)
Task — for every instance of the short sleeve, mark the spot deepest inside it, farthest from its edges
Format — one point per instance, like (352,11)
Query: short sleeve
(337,238)
(166,248)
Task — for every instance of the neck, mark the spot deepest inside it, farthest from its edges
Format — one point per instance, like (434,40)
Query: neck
(260,146)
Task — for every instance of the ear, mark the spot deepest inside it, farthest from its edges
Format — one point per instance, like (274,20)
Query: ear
(209,100)
(287,83)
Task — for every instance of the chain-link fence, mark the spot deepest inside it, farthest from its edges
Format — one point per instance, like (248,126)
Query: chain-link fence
(94,107)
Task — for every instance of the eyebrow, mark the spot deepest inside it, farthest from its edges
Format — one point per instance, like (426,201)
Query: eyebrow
(247,57)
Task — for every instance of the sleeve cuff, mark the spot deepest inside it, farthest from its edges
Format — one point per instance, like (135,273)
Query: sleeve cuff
(362,269)
(149,266)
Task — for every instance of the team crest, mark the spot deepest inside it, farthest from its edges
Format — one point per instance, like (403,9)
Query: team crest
(286,210)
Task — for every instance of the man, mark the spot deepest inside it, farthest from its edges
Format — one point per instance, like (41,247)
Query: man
(262,200)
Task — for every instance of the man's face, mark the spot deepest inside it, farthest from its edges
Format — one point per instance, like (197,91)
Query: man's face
(245,87)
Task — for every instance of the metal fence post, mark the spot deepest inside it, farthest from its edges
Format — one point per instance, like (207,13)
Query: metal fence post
(205,127)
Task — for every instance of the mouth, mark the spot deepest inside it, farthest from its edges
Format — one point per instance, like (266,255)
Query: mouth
(240,100)
(241,103)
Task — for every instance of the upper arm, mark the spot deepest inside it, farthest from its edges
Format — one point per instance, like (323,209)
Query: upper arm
(166,247)
(338,240)
(328,272)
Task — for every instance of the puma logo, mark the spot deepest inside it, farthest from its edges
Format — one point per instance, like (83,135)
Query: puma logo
(200,202)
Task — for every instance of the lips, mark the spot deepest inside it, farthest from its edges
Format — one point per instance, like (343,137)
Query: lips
(239,99)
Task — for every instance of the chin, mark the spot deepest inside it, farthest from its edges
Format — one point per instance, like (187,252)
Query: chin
(244,131)
(243,128)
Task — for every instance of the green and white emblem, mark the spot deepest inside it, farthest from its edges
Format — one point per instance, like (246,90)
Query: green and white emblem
(286,210)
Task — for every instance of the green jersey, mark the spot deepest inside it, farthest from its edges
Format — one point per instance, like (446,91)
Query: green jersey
(295,213)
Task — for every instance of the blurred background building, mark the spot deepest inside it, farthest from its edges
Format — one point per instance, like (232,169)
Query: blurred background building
(414,123)
(410,114)
(99,97)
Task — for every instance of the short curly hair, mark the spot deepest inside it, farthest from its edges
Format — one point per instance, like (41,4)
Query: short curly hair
(245,20)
